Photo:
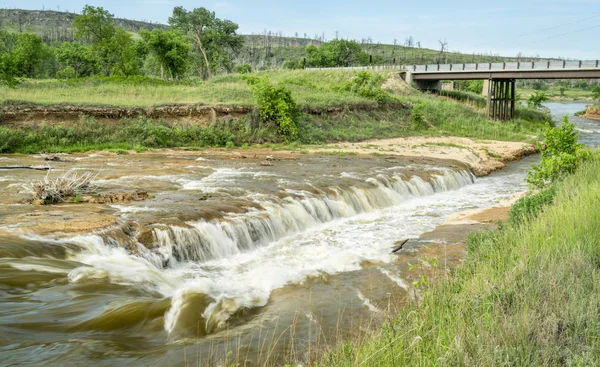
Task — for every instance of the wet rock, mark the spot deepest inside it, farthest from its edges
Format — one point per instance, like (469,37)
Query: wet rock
(266,163)
(112,198)
(146,237)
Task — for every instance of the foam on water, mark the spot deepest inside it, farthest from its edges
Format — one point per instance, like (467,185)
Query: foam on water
(236,263)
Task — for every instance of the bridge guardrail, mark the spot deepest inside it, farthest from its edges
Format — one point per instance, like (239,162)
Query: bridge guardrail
(494,66)
(497,66)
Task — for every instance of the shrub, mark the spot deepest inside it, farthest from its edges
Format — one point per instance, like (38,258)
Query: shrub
(293,64)
(244,69)
(596,92)
(417,117)
(70,184)
(66,73)
(367,84)
(530,206)
(537,99)
(475,86)
(276,105)
(561,154)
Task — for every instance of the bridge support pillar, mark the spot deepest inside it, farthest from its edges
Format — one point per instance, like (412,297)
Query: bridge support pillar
(501,100)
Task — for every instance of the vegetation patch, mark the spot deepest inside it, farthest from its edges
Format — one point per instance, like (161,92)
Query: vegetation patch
(560,155)
(275,105)
(525,295)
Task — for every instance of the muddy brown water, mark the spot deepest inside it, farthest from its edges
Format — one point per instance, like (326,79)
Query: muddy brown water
(228,260)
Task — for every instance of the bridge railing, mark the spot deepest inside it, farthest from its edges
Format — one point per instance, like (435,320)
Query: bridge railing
(496,66)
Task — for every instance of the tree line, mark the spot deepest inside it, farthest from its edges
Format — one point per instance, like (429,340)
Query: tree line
(197,44)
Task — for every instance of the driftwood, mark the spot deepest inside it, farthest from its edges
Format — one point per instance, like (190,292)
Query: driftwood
(36,168)
(399,245)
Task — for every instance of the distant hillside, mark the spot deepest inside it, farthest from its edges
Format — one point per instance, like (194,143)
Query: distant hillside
(57,26)
(270,49)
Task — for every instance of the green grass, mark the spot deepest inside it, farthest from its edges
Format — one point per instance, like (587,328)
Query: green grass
(308,88)
(526,295)
(553,92)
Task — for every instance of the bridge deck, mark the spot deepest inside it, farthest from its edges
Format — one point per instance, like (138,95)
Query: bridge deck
(507,70)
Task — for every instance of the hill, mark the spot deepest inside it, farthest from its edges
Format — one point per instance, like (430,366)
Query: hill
(262,51)
(57,26)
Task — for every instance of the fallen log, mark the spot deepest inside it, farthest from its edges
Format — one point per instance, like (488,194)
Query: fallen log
(399,245)
(36,168)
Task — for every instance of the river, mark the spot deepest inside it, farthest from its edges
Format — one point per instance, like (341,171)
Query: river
(228,259)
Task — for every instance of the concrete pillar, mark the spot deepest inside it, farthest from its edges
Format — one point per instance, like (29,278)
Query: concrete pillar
(486,88)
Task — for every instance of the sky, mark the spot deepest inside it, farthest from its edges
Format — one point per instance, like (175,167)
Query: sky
(545,28)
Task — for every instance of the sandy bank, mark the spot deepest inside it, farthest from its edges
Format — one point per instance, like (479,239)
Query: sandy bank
(592,112)
(482,156)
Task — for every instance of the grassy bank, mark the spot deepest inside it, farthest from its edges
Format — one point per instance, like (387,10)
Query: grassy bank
(316,89)
(405,114)
(441,118)
(554,93)
(526,295)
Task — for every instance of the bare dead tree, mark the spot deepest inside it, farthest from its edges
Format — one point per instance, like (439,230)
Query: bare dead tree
(443,49)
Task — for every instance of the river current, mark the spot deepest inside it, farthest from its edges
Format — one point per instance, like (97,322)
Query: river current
(228,260)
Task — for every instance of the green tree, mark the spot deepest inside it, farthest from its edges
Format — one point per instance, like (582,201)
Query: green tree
(536,100)
(171,48)
(8,67)
(336,53)
(216,39)
(562,90)
(78,57)
(8,70)
(596,92)
(112,46)
(94,25)
(122,54)
(560,155)
(27,54)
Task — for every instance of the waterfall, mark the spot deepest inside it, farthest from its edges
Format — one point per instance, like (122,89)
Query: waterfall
(202,241)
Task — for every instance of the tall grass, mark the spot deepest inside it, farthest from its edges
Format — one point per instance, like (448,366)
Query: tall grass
(526,295)
(308,88)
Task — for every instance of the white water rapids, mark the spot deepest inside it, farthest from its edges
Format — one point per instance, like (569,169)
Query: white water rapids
(234,263)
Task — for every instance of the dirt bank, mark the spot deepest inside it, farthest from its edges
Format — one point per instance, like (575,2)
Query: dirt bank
(20,115)
(592,112)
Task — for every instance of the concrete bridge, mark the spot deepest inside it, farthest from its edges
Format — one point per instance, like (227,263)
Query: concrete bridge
(499,85)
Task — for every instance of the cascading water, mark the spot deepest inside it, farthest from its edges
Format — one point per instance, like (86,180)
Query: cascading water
(229,252)
(202,241)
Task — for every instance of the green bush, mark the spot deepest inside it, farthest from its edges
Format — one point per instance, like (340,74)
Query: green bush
(66,73)
(367,84)
(596,92)
(243,69)
(293,64)
(561,154)
(537,99)
(530,206)
(276,105)
(417,117)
